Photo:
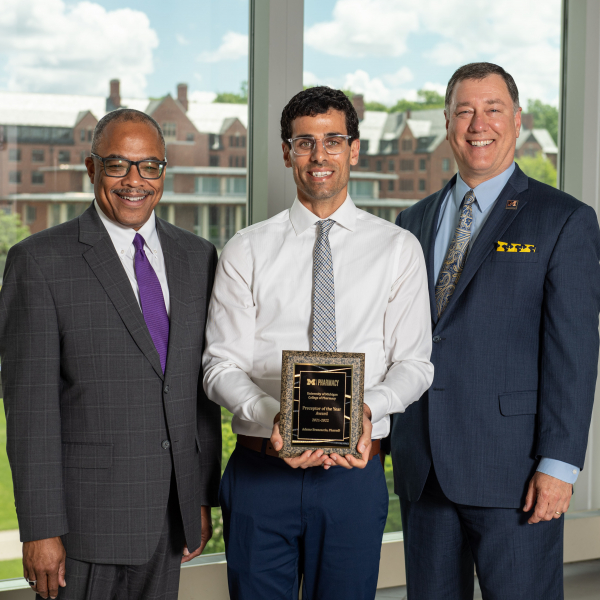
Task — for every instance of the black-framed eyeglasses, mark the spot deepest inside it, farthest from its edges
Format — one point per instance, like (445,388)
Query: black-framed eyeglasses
(332,144)
(119,167)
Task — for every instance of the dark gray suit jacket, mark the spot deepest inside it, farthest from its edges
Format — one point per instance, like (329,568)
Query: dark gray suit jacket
(515,352)
(88,408)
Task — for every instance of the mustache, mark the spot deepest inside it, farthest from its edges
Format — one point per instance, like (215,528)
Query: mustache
(129,191)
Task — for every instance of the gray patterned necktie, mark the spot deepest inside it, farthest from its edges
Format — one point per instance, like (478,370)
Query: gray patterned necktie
(323,334)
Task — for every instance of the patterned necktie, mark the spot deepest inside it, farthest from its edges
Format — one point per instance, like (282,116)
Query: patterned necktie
(457,255)
(323,334)
(152,300)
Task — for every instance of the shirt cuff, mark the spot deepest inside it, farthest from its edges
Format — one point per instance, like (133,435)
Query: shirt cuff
(264,411)
(378,404)
(559,469)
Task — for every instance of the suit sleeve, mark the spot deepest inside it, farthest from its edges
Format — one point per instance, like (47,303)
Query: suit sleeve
(569,340)
(209,423)
(30,354)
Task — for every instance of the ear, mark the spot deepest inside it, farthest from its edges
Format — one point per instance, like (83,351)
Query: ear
(447,122)
(354,152)
(518,121)
(287,159)
(91,168)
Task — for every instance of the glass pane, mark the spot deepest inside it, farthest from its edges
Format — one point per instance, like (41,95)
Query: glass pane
(185,64)
(394,59)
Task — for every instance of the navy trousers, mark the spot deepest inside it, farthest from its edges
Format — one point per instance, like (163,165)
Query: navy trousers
(284,525)
(443,541)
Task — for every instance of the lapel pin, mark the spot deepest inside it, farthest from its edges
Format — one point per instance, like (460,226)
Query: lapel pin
(512,204)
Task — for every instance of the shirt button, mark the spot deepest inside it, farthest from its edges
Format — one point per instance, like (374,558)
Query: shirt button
(166,444)
(122,251)
(437,339)
(574,471)
(166,389)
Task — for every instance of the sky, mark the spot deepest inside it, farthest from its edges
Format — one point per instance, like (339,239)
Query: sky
(385,49)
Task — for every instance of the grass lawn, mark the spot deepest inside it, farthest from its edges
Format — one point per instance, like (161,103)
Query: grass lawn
(11,569)
(8,515)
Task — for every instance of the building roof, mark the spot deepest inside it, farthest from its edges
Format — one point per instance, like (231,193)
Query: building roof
(541,136)
(65,110)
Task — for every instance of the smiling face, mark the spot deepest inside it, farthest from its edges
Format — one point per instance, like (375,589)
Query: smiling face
(321,178)
(127,200)
(482,128)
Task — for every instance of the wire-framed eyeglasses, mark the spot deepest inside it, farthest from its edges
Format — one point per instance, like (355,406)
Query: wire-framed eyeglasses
(332,144)
(119,167)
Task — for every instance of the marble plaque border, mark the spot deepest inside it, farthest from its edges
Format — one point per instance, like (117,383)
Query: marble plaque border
(289,359)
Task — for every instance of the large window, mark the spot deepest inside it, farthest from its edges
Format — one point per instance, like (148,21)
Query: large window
(394,59)
(185,64)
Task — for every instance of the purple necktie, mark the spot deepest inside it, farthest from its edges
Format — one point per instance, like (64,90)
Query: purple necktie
(152,300)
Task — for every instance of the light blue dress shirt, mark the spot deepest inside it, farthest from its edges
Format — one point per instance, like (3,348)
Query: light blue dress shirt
(486,195)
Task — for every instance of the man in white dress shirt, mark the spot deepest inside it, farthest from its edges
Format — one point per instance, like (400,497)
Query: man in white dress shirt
(315,518)
(101,335)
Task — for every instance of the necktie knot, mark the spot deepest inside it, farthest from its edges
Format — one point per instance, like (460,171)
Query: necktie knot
(138,242)
(325,226)
(469,198)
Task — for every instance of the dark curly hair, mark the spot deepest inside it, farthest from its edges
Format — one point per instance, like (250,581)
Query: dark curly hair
(317,101)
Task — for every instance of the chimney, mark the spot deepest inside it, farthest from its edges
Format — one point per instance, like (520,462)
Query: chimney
(408,113)
(182,95)
(114,100)
(358,101)
(527,121)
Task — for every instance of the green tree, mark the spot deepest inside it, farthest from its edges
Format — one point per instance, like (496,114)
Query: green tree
(11,232)
(538,167)
(545,116)
(233,98)
(427,99)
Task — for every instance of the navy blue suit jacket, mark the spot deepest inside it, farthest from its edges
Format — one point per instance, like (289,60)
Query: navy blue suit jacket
(515,352)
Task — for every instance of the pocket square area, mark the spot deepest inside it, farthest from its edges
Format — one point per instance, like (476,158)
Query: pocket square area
(508,247)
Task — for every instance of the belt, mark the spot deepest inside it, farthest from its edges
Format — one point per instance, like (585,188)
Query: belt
(256,444)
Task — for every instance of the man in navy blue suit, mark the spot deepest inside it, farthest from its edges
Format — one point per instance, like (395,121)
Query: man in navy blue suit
(485,461)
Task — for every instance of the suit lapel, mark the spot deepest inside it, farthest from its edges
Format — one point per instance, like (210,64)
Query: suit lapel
(178,278)
(497,223)
(428,235)
(104,261)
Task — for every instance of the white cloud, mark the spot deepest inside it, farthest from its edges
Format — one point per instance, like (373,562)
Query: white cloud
(387,89)
(521,36)
(202,97)
(309,78)
(233,46)
(52,47)
(182,40)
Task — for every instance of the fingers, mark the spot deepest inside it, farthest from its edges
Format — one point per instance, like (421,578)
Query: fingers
(307,459)
(530,498)
(276,439)
(187,555)
(53,584)
(552,497)
(62,574)
(349,461)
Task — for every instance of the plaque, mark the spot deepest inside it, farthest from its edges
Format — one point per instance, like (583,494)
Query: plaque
(321,402)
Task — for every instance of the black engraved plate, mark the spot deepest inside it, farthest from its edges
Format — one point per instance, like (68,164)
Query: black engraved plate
(321,402)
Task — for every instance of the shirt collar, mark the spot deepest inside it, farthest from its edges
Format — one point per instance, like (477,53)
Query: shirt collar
(122,237)
(486,192)
(302,218)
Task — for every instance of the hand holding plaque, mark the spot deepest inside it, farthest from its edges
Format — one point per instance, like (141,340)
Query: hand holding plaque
(321,402)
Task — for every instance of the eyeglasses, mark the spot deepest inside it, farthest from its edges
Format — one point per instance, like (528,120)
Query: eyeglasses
(332,144)
(119,167)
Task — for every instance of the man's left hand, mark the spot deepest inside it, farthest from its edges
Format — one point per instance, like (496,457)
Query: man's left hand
(364,447)
(207,532)
(550,496)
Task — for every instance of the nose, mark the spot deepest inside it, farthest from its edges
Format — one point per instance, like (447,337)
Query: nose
(318,153)
(478,122)
(133,178)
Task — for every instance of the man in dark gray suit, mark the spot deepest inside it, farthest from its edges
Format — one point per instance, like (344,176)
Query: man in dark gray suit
(114,448)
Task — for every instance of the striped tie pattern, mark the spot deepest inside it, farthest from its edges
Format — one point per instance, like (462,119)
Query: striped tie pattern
(323,334)
(151,300)
(457,255)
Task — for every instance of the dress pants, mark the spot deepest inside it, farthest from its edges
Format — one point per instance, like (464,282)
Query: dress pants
(444,540)
(284,525)
(158,579)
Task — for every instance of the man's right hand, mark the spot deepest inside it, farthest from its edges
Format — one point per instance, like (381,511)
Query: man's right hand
(308,459)
(44,562)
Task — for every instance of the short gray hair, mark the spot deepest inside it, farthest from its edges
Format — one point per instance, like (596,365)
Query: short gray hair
(121,115)
(479,71)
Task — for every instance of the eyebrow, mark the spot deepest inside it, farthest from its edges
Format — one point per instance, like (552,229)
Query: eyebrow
(312,137)
(491,101)
(120,156)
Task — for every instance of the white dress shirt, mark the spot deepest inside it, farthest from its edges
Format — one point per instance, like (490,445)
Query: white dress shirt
(262,304)
(122,239)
